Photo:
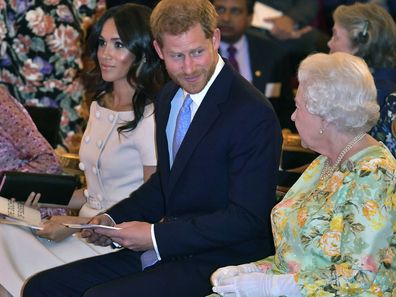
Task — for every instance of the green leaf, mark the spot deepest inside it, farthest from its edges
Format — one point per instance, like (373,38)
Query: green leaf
(38,45)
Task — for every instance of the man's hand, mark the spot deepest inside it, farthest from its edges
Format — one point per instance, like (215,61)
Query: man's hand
(134,235)
(97,238)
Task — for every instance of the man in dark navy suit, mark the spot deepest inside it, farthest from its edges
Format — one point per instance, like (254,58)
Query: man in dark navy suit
(260,60)
(208,205)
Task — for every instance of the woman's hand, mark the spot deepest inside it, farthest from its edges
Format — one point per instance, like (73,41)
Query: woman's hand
(258,284)
(53,229)
(230,271)
(32,200)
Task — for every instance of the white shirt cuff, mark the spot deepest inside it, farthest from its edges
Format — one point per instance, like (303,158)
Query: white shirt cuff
(155,243)
(107,215)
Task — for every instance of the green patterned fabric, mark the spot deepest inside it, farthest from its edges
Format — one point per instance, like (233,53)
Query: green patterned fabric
(339,236)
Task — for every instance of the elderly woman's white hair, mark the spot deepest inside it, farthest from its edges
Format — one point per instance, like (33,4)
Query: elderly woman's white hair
(340,89)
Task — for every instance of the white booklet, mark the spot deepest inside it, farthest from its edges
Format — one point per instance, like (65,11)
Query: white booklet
(90,226)
(12,221)
(16,213)
(261,12)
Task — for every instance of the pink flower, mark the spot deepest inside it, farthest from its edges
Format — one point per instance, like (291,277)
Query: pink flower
(54,84)
(13,4)
(65,41)
(28,88)
(32,72)
(2,4)
(293,266)
(22,44)
(285,203)
(40,23)
(8,77)
(368,263)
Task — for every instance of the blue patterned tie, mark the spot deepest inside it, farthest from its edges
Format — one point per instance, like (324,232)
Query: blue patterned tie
(182,123)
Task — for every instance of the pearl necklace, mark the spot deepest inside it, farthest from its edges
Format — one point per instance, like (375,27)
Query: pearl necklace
(328,170)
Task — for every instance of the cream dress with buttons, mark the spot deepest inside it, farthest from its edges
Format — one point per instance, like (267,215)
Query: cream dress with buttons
(113,166)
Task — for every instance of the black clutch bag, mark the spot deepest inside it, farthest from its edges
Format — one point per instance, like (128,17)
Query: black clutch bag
(54,189)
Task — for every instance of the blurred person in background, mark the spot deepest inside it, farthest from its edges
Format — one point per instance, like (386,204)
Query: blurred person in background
(258,59)
(368,31)
(22,147)
(294,30)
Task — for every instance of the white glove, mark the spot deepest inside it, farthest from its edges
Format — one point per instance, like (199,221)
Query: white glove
(229,271)
(257,284)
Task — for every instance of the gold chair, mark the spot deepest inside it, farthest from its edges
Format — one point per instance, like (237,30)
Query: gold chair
(294,159)
(292,142)
(294,156)
(69,163)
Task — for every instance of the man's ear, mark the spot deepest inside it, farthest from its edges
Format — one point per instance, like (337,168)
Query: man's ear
(216,39)
(158,49)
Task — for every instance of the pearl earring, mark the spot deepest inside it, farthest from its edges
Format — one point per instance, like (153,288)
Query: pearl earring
(320,131)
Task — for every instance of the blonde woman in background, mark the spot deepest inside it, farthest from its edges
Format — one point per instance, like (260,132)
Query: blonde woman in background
(369,31)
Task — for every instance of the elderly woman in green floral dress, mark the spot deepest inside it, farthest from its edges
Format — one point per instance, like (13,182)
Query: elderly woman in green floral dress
(335,230)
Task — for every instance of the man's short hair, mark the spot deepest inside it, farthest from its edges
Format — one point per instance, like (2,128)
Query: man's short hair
(178,16)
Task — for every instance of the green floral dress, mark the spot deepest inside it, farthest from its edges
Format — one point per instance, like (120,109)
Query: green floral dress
(338,237)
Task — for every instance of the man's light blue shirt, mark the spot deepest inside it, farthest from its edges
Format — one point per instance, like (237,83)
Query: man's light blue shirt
(177,103)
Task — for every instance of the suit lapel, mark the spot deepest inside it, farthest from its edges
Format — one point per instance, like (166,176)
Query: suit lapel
(163,108)
(205,117)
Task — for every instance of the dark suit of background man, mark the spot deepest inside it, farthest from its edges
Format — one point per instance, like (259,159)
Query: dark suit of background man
(209,206)
(260,61)
(292,30)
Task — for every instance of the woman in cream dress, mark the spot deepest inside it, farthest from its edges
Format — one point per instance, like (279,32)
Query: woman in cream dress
(117,150)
